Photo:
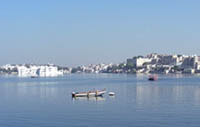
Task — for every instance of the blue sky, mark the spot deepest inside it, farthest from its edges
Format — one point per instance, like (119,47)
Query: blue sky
(76,32)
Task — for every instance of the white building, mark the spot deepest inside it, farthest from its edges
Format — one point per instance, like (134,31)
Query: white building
(9,67)
(42,71)
(138,62)
(23,71)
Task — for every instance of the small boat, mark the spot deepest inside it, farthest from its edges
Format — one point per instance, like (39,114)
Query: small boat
(95,93)
(153,78)
(111,94)
(34,76)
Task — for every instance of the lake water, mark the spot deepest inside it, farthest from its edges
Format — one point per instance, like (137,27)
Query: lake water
(172,101)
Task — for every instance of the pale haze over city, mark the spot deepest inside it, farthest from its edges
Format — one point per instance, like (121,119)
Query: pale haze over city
(100,63)
(87,31)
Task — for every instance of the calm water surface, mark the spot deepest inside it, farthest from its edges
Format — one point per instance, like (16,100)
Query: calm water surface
(172,101)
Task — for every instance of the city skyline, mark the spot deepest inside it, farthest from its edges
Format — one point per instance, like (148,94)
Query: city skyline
(103,62)
(149,64)
(83,32)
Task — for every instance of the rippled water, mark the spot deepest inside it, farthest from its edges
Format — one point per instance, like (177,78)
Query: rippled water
(172,101)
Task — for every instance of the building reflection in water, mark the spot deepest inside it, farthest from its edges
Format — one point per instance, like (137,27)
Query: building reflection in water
(26,91)
(88,98)
(173,94)
(197,96)
(147,94)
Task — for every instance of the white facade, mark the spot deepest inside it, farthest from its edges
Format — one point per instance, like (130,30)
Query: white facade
(9,66)
(23,71)
(141,61)
(42,71)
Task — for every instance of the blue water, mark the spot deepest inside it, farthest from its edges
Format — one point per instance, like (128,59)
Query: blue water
(172,101)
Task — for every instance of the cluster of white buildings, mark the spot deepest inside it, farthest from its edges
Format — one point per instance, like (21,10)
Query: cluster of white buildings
(153,63)
(28,70)
(50,70)
(94,68)
(166,63)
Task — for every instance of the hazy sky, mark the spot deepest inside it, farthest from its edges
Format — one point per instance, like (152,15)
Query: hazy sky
(75,32)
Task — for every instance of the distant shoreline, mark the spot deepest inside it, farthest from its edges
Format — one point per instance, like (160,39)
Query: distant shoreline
(149,64)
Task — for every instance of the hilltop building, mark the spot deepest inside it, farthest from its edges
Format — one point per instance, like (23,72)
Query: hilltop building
(138,61)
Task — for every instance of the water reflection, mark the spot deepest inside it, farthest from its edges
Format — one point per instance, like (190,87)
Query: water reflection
(99,98)
(147,94)
(177,94)
(197,96)
(172,101)
(112,97)
(28,91)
